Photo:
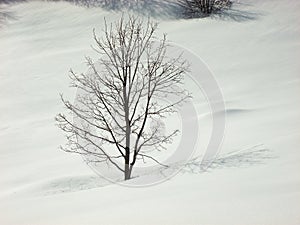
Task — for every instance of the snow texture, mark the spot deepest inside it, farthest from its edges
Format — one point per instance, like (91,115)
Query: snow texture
(253,50)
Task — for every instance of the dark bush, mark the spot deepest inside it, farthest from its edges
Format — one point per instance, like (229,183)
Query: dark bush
(202,8)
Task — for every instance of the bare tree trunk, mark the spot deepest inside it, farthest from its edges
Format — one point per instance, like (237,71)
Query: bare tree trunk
(128,130)
(127,171)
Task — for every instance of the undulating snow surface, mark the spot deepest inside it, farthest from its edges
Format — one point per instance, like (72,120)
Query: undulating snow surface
(254,55)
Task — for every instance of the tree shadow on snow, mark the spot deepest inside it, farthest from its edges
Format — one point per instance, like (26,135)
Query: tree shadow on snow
(154,8)
(175,10)
(235,15)
(11,1)
(169,9)
(256,155)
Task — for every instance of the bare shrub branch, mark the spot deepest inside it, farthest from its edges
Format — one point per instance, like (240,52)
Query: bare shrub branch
(202,8)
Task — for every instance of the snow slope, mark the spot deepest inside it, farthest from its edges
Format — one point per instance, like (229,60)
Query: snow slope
(254,56)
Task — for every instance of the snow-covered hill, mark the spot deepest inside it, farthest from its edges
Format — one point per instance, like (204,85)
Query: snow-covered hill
(254,54)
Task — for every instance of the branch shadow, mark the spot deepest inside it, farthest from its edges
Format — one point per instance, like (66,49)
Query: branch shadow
(235,15)
(153,8)
(256,155)
(161,9)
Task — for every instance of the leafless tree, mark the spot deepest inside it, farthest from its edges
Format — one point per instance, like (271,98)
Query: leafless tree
(120,105)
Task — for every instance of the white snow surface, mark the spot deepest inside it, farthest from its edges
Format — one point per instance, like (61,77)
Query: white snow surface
(256,63)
